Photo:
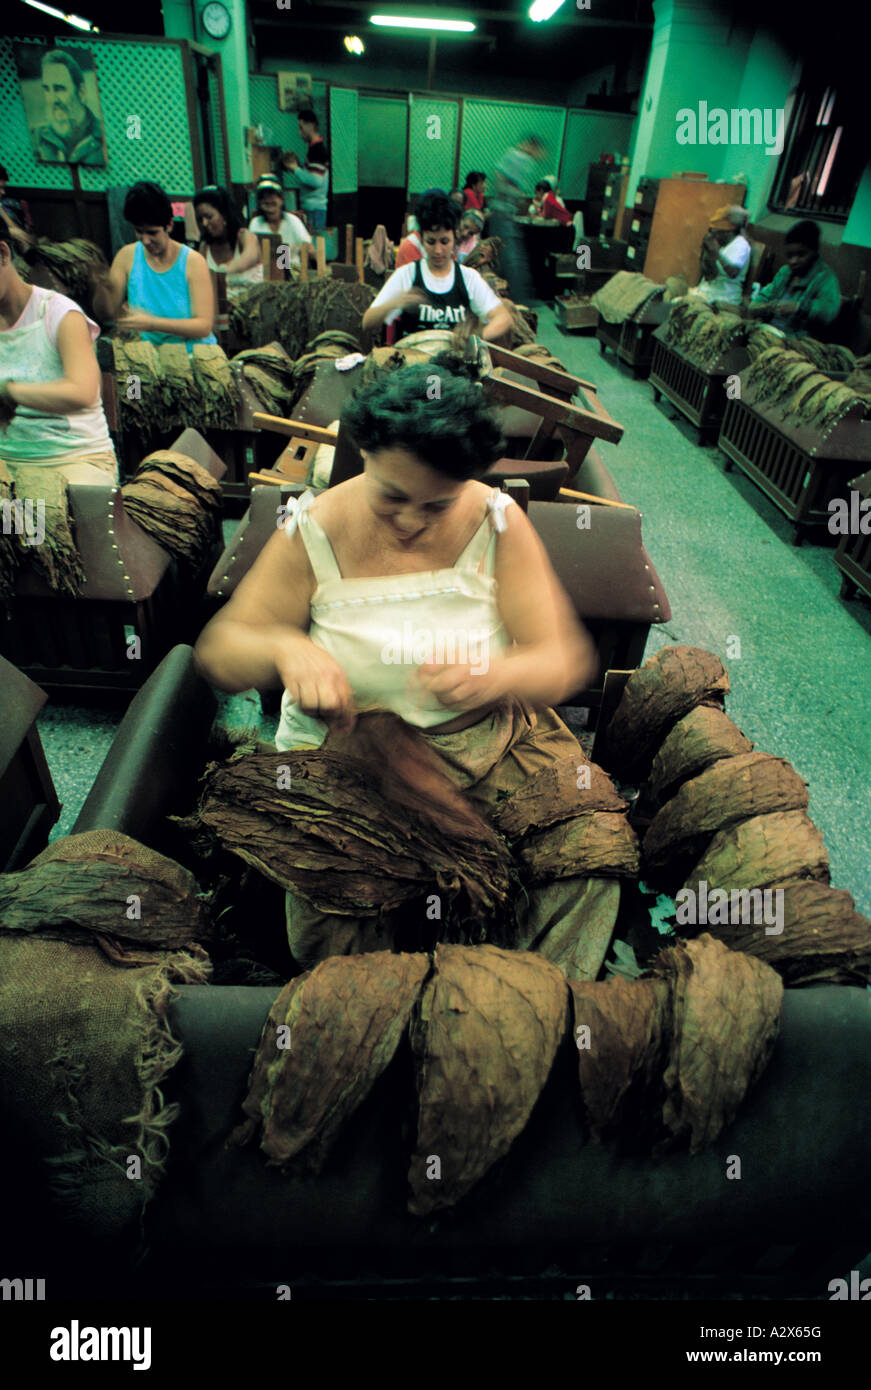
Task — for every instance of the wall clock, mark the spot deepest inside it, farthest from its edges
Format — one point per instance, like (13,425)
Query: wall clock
(216,19)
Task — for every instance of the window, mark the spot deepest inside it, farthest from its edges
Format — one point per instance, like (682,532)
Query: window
(823,155)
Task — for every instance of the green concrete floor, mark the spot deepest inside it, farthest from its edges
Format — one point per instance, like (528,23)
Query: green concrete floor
(801,686)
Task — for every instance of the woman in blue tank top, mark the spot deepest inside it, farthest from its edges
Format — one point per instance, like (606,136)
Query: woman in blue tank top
(156,287)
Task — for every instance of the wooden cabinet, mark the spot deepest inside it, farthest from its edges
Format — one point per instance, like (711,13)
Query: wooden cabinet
(666,223)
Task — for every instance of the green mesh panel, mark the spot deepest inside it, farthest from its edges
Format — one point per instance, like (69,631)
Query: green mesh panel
(135,79)
(343,127)
(279,127)
(492,127)
(588,135)
(222,168)
(432,142)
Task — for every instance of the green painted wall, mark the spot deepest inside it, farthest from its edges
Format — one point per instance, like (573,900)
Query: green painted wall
(383,142)
(858,229)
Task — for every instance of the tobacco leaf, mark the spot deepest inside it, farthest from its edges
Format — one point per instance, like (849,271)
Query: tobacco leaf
(762,851)
(553,795)
(726,1010)
(600,842)
(178,503)
(266,1054)
(699,739)
(335,837)
(665,688)
(10,555)
(823,940)
(85,882)
(484,1036)
(621,1060)
(732,790)
(346,1019)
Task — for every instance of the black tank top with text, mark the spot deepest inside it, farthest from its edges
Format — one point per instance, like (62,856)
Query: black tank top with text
(440,310)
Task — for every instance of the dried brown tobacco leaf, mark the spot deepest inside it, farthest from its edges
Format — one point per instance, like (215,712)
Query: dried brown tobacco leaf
(346,1018)
(699,739)
(600,842)
(265,1056)
(553,795)
(10,555)
(812,935)
(763,851)
(333,837)
(484,1036)
(623,1032)
(726,1009)
(665,688)
(732,790)
(86,882)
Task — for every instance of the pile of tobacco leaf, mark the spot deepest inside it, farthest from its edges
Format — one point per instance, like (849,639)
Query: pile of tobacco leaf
(178,503)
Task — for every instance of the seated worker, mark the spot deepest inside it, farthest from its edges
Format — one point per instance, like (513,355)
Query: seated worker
(469,234)
(474,189)
(435,292)
(156,287)
(227,246)
(804,296)
(315,610)
(546,204)
(273,220)
(725,256)
(51,415)
(411,247)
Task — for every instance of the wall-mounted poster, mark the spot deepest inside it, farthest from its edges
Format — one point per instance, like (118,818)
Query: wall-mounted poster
(61,102)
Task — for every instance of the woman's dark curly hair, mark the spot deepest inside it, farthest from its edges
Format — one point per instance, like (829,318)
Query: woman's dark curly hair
(436,210)
(440,417)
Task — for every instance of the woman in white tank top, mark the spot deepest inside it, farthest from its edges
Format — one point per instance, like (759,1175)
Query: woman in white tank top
(227,245)
(414,588)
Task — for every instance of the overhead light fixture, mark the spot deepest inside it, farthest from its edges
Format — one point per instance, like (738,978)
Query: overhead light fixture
(543,9)
(450,26)
(354,44)
(74,19)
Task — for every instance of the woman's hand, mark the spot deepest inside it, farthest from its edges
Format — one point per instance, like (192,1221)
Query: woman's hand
(408,300)
(786,307)
(315,681)
(464,683)
(290,160)
(135,319)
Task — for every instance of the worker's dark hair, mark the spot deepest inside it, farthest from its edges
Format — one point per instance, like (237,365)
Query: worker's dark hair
(220,199)
(804,233)
(474,176)
(146,205)
(543,184)
(308,115)
(4,174)
(60,55)
(449,428)
(437,210)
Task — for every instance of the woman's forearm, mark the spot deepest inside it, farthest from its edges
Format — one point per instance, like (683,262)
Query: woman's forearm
(181,328)
(236,657)
(497,324)
(548,674)
(61,397)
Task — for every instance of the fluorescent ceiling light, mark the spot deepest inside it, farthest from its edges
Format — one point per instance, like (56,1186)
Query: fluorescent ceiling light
(74,19)
(453,26)
(543,9)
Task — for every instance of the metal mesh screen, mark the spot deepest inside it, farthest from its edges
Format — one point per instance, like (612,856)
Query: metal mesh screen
(588,135)
(145,80)
(432,142)
(492,127)
(343,126)
(279,127)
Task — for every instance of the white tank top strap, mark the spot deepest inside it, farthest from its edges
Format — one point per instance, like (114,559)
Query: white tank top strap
(314,538)
(484,540)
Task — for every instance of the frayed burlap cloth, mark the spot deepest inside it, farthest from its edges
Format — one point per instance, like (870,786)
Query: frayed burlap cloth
(85,1041)
(624,295)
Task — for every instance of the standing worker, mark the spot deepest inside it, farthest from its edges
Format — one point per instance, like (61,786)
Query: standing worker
(515,179)
(314,175)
